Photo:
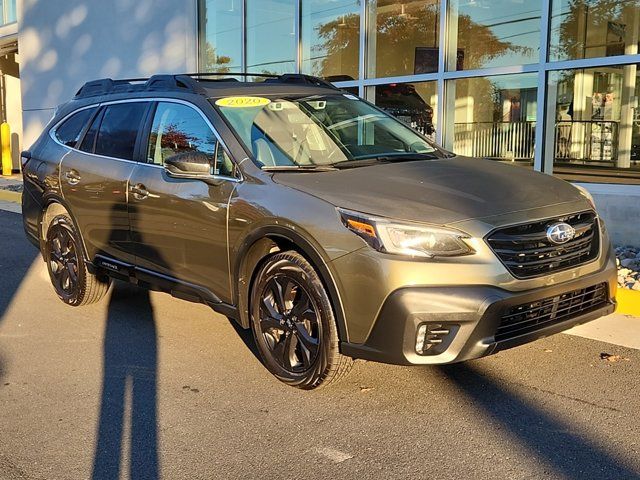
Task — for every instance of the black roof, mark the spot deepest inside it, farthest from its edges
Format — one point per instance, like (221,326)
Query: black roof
(207,84)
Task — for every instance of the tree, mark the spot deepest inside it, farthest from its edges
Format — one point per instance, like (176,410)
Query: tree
(212,62)
(338,54)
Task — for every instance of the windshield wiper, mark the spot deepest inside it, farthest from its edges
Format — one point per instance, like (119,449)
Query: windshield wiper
(298,168)
(386,158)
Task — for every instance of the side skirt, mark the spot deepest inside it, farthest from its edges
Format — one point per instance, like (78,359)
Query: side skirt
(162,283)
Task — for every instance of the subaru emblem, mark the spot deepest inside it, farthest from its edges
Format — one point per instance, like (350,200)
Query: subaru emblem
(560,233)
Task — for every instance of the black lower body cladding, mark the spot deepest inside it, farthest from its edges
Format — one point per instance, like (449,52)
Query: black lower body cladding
(465,319)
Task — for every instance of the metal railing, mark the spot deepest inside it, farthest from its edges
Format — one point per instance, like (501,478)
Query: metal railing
(586,141)
(497,140)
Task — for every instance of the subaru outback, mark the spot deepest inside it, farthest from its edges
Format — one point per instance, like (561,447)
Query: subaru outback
(329,228)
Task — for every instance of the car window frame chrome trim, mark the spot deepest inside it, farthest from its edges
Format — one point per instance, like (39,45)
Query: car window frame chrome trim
(53,136)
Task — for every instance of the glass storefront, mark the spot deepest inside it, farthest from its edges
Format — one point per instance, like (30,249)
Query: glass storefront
(331,38)
(597,131)
(593,28)
(8,8)
(552,90)
(221,36)
(403,37)
(495,117)
(494,33)
(271,37)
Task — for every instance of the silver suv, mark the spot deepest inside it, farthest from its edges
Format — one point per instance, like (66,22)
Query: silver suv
(301,211)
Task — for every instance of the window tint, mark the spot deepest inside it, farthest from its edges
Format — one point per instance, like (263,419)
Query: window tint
(119,130)
(179,129)
(90,137)
(69,132)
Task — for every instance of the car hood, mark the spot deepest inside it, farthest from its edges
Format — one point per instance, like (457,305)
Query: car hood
(440,191)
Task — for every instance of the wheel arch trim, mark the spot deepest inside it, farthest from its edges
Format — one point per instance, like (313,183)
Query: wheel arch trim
(258,245)
(48,201)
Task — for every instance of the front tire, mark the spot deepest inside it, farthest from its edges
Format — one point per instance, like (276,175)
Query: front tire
(293,323)
(71,280)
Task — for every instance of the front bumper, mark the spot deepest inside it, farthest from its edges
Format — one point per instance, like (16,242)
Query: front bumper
(472,314)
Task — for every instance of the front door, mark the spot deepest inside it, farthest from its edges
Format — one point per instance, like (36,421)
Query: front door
(95,175)
(179,225)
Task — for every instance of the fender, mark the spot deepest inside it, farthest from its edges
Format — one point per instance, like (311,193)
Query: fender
(308,247)
(48,199)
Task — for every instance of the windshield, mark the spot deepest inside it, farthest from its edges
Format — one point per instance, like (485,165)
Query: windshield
(320,130)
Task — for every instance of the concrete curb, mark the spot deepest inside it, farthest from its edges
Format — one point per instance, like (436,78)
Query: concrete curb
(8,196)
(617,329)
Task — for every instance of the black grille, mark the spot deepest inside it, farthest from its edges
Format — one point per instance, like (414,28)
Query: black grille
(529,317)
(527,252)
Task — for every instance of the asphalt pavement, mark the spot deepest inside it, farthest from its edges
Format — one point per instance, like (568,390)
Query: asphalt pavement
(146,386)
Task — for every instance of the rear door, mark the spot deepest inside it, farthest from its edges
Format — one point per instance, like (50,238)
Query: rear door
(95,175)
(179,225)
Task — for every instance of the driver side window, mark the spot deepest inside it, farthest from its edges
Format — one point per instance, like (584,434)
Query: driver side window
(179,129)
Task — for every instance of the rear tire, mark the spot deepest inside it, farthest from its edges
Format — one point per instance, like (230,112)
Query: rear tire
(293,323)
(71,280)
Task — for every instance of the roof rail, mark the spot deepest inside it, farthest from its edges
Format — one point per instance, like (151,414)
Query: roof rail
(104,85)
(270,77)
(305,79)
(230,74)
(187,81)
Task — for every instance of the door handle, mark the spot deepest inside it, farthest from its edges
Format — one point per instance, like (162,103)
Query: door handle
(72,176)
(139,191)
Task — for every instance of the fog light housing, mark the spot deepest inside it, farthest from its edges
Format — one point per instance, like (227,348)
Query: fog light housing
(433,338)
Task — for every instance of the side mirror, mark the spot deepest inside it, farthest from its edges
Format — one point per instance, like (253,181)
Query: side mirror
(189,164)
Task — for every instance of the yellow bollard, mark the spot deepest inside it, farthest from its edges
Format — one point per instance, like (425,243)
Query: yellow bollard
(5,139)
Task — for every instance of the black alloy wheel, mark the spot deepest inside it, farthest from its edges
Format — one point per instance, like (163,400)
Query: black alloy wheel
(289,323)
(63,259)
(293,323)
(71,280)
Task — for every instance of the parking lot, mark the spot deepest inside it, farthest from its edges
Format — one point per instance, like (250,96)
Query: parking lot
(147,386)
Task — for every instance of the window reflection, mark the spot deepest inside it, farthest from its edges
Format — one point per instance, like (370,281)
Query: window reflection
(404,37)
(597,131)
(320,130)
(495,117)
(221,36)
(413,103)
(494,33)
(178,129)
(331,38)
(271,40)
(593,28)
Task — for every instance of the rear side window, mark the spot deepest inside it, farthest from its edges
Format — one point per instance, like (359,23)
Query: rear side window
(90,137)
(119,130)
(69,132)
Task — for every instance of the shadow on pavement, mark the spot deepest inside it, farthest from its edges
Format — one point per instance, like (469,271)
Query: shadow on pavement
(129,388)
(246,336)
(15,264)
(555,443)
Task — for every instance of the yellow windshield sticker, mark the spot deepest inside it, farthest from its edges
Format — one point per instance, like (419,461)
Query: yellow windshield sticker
(243,102)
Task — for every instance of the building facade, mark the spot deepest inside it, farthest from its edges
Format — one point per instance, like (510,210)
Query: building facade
(550,85)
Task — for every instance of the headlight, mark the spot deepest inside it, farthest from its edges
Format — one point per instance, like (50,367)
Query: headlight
(406,239)
(586,194)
